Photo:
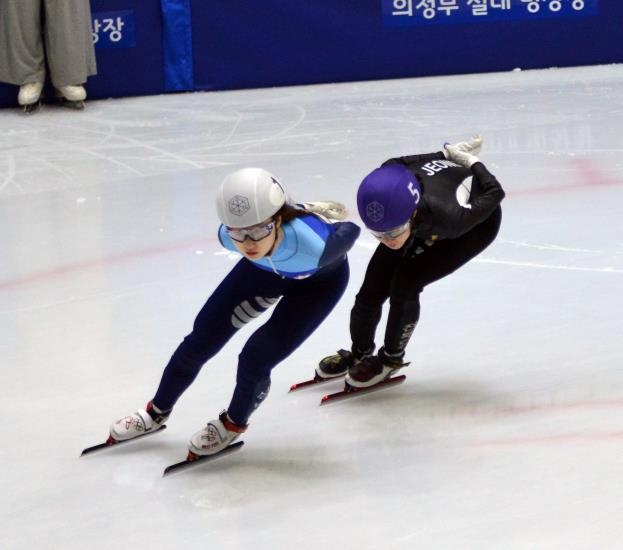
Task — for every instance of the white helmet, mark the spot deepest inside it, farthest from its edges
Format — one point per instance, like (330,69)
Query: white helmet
(248,197)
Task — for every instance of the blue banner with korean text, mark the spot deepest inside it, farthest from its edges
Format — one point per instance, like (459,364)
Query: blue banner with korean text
(398,13)
(155,46)
(128,40)
(113,29)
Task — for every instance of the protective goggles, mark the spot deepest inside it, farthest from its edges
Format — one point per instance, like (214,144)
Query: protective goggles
(255,233)
(392,233)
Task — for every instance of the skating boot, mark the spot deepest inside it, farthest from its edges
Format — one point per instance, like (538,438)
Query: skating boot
(71,96)
(215,437)
(374,369)
(29,96)
(338,364)
(142,421)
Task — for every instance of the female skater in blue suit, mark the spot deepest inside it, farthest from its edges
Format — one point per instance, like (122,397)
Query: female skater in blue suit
(293,260)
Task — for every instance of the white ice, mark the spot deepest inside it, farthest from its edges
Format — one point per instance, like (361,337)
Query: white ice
(508,432)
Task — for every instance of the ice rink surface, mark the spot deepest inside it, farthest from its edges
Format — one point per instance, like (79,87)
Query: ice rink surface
(508,432)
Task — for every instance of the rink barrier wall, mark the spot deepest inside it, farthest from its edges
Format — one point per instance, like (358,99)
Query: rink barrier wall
(148,47)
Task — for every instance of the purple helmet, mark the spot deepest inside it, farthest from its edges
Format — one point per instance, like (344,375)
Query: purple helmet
(387,197)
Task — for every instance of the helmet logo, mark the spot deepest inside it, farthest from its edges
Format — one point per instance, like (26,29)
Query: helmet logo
(375,211)
(239,205)
(275,181)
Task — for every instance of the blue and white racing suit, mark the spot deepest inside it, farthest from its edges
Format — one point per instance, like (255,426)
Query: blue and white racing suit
(303,279)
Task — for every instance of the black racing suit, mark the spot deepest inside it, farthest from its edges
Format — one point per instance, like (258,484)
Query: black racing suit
(451,226)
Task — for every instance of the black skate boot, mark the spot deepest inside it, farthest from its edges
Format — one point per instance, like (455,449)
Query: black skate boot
(339,363)
(374,369)
(335,365)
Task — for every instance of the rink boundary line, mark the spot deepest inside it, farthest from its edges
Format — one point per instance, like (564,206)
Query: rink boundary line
(575,437)
(578,437)
(548,266)
(508,410)
(42,276)
(562,188)
(590,177)
(372,245)
(549,247)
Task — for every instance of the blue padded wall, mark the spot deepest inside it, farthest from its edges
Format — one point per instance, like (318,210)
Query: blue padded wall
(177,45)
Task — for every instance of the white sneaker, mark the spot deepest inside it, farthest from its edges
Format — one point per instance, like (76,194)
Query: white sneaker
(29,93)
(215,437)
(72,93)
(138,423)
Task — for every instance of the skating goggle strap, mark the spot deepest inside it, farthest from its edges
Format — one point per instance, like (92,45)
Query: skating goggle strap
(391,233)
(255,232)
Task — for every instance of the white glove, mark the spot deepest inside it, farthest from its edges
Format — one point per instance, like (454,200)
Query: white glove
(464,158)
(472,146)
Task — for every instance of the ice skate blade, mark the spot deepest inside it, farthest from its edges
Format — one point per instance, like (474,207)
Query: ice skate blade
(32,108)
(194,460)
(75,105)
(351,391)
(110,442)
(315,382)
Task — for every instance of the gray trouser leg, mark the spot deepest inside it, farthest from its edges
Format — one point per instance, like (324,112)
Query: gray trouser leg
(22,58)
(69,42)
